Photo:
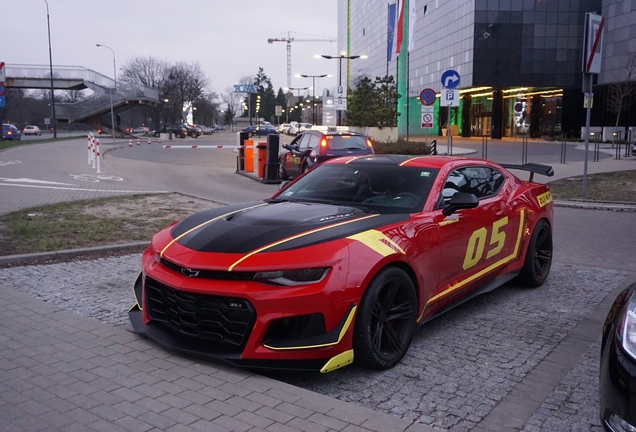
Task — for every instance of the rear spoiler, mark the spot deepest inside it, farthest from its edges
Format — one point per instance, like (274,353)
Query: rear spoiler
(545,170)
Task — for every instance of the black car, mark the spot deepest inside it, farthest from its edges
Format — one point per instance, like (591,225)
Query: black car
(179,130)
(312,147)
(617,378)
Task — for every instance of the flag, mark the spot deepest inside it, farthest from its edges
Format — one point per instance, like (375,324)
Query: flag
(390,31)
(399,25)
(412,19)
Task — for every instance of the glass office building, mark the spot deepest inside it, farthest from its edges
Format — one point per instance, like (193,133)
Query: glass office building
(520,61)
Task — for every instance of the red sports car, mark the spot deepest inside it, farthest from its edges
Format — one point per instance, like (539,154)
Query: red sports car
(343,264)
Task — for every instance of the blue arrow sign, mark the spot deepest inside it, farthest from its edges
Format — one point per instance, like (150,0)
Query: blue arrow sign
(1,101)
(450,79)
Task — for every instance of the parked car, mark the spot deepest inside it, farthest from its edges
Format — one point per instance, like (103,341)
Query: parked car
(298,128)
(10,132)
(634,148)
(260,130)
(179,130)
(141,130)
(617,374)
(206,130)
(218,128)
(343,264)
(31,130)
(312,147)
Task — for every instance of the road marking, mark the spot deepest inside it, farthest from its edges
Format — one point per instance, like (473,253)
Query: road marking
(83,189)
(13,162)
(95,178)
(28,180)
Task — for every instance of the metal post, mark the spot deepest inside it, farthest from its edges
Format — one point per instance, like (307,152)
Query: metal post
(563,147)
(587,128)
(112,110)
(449,152)
(54,119)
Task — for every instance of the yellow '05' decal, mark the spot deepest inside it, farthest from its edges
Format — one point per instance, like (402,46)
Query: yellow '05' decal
(477,243)
(544,199)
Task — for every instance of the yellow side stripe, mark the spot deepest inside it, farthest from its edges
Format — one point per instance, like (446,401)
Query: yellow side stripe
(488,269)
(271,245)
(377,241)
(203,224)
(343,331)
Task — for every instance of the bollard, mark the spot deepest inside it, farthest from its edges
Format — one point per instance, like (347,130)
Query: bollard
(149,141)
(138,142)
(97,155)
(89,148)
(129,143)
(93,145)
(159,141)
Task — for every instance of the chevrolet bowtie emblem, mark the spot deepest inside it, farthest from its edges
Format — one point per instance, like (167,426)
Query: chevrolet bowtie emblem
(189,272)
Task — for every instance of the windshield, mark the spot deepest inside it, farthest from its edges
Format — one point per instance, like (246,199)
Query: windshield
(377,187)
(346,142)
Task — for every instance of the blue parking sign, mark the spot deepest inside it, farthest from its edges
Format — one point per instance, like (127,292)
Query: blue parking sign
(1,101)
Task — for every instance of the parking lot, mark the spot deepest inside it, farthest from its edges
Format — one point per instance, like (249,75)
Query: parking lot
(513,359)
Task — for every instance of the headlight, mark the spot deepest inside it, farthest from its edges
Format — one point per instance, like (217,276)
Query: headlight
(292,277)
(628,329)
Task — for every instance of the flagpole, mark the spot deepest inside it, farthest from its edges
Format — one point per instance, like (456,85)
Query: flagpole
(408,82)
(388,27)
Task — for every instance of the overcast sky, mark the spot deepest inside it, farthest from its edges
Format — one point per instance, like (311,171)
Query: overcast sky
(227,38)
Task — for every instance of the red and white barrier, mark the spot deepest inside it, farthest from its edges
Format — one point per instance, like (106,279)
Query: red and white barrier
(138,142)
(149,141)
(202,147)
(129,143)
(90,147)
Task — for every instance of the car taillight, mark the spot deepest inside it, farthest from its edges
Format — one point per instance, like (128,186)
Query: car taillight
(369,143)
(323,146)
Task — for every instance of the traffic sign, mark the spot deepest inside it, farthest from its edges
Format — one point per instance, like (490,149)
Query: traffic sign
(3,78)
(450,79)
(1,101)
(428,117)
(428,96)
(450,98)
(518,107)
(2,89)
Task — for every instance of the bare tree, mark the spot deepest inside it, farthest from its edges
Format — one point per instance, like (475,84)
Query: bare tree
(73,96)
(232,100)
(624,87)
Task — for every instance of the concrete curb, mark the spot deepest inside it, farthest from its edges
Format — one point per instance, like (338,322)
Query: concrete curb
(70,253)
(622,207)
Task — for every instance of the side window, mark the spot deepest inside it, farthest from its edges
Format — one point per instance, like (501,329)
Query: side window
(482,182)
(296,141)
(304,141)
(314,141)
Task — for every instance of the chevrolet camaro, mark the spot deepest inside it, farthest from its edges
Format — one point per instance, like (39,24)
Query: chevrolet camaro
(343,264)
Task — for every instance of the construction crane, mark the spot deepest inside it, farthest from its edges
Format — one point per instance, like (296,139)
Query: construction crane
(289,39)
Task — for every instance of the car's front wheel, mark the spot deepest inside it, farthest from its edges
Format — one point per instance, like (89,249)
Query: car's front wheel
(386,319)
(538,261)
(194,135)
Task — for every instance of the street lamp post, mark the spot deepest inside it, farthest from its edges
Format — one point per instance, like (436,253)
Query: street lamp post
(112,110)
(299,89)
(313,78)
(343,55)
(48,23)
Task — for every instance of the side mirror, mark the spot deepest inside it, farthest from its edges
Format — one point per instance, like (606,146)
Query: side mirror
(284,146)
(459,201)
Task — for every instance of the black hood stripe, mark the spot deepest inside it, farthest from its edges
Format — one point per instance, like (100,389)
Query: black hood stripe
(176,238)
(288,239)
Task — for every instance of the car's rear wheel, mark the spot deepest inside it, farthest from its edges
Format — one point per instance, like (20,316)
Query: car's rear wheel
(538,256)
(385,322)
(282,173)
(194,135)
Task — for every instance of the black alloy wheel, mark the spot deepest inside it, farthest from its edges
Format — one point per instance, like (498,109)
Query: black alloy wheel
(386,320)
(538,256)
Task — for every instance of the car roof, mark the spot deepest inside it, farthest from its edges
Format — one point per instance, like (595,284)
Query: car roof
(424,161)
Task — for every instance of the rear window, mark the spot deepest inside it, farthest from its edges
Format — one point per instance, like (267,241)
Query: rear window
(344,142)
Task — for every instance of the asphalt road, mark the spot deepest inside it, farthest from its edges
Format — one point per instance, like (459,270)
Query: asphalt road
(462,367)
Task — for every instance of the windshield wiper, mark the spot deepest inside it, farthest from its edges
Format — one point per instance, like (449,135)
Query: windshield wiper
(276,200)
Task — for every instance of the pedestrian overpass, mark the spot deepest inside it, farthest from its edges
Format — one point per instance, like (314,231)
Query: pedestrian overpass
(91,109)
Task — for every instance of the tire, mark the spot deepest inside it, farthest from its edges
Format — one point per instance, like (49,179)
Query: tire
(385,322)
(538,260)
(194,135)
(282,173)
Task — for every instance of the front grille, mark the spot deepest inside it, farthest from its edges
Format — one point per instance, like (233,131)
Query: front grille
(225,320)
(209,274)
